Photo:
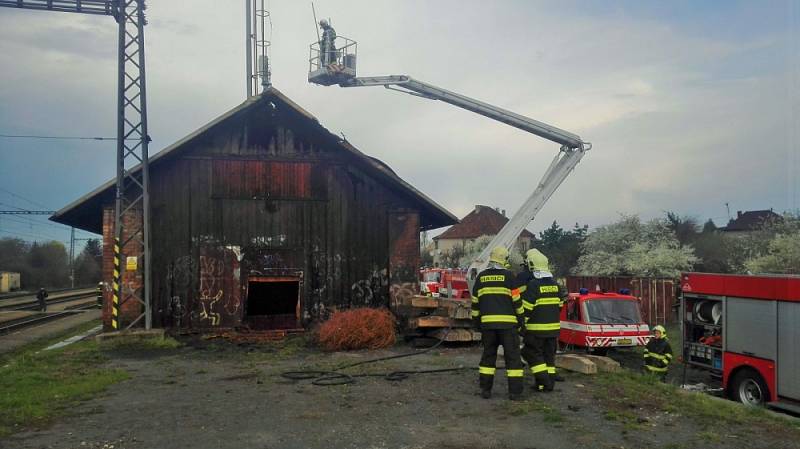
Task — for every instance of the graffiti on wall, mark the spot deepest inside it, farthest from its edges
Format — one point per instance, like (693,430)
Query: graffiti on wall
(211,271)
(370,290)
(219,289)
(402,291)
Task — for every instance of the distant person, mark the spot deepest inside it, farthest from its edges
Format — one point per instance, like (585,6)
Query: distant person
(658,353)
(327,46)
(42,298)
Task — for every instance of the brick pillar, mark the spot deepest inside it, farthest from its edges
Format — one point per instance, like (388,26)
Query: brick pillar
(131,309)
(404,257)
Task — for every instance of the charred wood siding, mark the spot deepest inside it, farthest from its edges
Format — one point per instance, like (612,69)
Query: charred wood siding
(262,194)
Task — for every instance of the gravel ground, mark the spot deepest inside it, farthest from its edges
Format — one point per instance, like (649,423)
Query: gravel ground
(216,394)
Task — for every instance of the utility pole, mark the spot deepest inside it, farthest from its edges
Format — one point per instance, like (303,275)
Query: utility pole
(72,258)
(132,203)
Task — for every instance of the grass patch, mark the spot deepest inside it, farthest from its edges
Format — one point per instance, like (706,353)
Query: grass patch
(38,345)
(709,436)
(139,344)
(36,387)
(624,393)
(549,414)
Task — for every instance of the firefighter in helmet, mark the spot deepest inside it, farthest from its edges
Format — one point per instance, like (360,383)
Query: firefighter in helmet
(498,313)
(542,303)
(658,353)
(327,46)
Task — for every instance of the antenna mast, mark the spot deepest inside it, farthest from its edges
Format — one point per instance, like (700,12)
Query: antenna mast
(259,34)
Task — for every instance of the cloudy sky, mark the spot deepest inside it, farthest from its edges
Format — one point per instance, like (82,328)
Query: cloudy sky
(689,105)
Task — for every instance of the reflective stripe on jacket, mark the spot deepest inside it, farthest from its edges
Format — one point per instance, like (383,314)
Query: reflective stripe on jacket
(494,302)
(657,355)
(542,306)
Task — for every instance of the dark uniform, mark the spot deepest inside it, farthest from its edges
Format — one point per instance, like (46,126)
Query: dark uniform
(42,299)
(327,45)
(498,313)
(522,279)
(657,356)
(542,306)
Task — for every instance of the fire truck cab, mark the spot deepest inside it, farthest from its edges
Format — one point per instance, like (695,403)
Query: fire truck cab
(598,321)
(745,329)
(444,283)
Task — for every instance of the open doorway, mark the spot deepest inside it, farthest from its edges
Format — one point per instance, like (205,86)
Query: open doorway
(273,302)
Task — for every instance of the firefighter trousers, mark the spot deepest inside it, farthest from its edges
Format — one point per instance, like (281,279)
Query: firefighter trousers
(540,354)
(509,340)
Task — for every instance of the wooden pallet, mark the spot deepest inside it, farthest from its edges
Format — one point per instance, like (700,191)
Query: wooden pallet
(428,317)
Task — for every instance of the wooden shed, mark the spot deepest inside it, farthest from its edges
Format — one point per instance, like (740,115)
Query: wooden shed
(264,219)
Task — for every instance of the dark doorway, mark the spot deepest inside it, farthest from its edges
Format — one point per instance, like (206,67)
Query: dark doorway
(273,302)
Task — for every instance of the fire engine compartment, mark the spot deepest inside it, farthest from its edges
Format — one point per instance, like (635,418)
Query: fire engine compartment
(743,329)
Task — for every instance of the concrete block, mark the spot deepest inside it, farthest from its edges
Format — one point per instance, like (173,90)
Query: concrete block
(604,364)
(576,363)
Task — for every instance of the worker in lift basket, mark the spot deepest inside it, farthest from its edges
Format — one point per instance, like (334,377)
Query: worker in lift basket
(327,47)
(542,303)
(658,353)
(498,313)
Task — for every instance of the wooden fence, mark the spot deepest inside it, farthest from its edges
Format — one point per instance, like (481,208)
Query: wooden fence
(657,294)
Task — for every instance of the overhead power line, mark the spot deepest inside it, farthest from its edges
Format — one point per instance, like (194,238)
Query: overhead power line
(23,198)
(20,136)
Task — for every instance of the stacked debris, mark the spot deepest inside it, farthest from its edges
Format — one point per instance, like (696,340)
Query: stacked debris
(439,318)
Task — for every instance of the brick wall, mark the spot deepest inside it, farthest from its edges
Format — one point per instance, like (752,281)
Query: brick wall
(131,308)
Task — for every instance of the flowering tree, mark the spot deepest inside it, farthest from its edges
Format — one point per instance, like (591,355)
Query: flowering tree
(778,248)
(632,248)
(473,249)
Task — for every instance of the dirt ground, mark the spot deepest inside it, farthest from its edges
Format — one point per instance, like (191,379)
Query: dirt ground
(217,394)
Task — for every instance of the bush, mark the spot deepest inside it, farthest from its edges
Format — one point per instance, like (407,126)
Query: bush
(358,329)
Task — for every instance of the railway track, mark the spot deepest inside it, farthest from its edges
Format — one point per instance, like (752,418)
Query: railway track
(34,304)
(14,324)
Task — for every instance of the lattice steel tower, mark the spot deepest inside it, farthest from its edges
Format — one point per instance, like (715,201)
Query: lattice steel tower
(132,205)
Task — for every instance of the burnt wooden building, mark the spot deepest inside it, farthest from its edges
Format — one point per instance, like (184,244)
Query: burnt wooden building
(264,219)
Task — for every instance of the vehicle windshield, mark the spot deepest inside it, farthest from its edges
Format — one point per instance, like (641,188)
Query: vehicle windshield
(613,311)
(432,277)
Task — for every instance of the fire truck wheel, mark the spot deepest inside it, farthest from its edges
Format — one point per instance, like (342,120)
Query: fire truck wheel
(749,388)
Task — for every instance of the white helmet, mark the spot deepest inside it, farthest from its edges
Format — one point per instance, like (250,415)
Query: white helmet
(323,23)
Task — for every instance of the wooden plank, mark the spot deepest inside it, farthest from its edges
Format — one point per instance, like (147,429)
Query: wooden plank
(455,335)
(430,321)
(425,302)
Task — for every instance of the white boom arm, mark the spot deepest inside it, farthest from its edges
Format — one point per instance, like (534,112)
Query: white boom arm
(572,150)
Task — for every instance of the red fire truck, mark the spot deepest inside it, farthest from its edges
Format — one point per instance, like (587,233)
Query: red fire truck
(598,321)
(745,329)
(444,282)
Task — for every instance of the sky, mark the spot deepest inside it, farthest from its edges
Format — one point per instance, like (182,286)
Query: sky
(691,107)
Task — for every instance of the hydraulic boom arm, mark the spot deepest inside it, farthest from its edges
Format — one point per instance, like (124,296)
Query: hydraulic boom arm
(572,150)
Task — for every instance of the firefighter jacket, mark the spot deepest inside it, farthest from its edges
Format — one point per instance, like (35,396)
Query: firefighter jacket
(522,279)
(542,304)
(657,355)
(493,304)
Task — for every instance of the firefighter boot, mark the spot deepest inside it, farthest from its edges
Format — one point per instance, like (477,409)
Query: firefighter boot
(558,378)
(486,394)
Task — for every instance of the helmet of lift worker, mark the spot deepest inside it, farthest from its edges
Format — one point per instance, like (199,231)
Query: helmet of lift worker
(499,254)
(324,23)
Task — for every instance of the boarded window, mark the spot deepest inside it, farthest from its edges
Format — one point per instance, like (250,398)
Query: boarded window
(253,179)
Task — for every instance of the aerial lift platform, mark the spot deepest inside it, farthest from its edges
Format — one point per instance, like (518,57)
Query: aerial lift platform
(329,65)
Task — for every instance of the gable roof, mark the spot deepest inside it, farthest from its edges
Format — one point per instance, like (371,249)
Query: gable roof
(86,212)
(751,220)
(483,220)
